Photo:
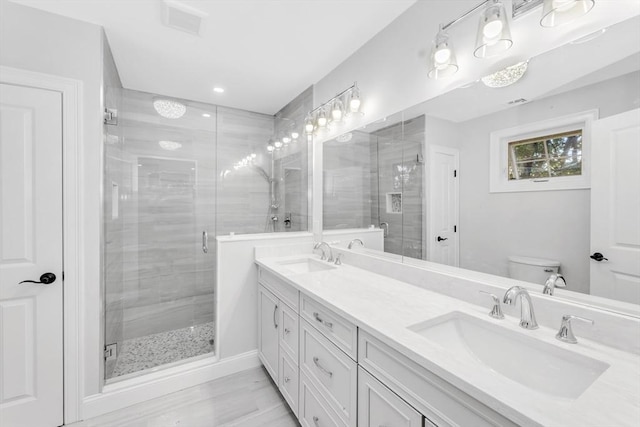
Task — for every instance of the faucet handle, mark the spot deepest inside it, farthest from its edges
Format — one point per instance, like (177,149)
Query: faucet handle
(496,311)
(565,334)
(338,260)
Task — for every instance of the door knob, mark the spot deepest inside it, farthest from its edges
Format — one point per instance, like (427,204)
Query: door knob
(441,239)
(45,279)
(598,257)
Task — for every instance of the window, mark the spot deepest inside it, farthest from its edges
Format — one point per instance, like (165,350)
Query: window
(546,157)
(542,156)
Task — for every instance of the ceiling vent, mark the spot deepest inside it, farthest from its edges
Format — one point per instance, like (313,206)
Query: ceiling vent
(517,101)
(182,17)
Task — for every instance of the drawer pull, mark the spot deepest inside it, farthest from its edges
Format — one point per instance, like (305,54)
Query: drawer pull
(287,331)
(286,379)
(275,309)
(321,320)
(316,361)
(316,421)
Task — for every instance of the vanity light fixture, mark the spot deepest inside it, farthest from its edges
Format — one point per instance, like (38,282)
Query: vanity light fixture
(442,62)
(507,76)
(344,105)
(559,12)
(169,108)
(494,35)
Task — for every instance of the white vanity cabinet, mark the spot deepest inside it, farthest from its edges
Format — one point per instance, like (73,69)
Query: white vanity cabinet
(278,334)
(334,374)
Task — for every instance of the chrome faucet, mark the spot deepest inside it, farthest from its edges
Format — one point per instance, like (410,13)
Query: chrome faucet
(554,281)
(527,317)
(321,245)
(565,334)
(354,241)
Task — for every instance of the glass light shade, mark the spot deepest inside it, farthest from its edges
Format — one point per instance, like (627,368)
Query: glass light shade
(322,118)
(507,76)
(494,35)
(169,108)
(295,134)
(270,146)
(559,12)
(308,125)
(286,139)
(337,111)
(442,61)
(277,144)
(354,100)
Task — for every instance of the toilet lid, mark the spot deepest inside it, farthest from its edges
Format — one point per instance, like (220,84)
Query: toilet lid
(535,261)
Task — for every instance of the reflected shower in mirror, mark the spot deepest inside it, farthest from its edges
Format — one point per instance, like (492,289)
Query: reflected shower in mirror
(433,172)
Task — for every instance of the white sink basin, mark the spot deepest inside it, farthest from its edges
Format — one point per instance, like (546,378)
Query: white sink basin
(306,265)
(530,362)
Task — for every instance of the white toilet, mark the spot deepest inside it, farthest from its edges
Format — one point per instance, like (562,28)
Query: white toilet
(534,270)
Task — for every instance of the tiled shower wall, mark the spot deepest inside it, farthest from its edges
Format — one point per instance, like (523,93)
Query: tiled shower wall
(291,165)
(362,172)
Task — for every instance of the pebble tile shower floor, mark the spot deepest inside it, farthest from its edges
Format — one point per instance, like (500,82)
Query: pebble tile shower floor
(158,349)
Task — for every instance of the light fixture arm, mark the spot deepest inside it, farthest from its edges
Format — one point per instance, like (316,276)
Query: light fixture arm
(330,101)
(466,14)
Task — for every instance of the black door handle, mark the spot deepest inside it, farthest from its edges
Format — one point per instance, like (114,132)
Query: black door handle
(598,257)
(441,239)
(45,279)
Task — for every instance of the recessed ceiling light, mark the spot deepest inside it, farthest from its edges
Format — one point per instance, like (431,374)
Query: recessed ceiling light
(169,145)
(206,115)
(218,89)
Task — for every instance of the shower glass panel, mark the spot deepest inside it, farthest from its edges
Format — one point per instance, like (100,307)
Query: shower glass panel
(159,199)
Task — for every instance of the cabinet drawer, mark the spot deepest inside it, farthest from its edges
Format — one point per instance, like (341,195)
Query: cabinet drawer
(282,290)
(288,381)
(314,411)
(288,331)
(442,403)
(331,371)
(378,406)
(342,333)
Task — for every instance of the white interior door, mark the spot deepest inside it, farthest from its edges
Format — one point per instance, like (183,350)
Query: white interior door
(443,205)
(615,207)
(30,245)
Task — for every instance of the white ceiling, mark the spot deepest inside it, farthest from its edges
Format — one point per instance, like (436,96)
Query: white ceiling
(263,52)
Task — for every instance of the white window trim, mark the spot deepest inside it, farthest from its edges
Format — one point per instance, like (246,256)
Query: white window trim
(499,154)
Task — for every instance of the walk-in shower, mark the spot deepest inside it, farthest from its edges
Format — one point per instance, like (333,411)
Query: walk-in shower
(171,185)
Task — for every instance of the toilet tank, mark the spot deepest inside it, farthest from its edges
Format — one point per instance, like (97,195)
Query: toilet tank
(535,270)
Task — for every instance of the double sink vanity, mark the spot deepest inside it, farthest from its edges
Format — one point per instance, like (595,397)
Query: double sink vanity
(347,346)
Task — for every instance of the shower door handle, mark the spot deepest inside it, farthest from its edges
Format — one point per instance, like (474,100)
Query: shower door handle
(385,228)
(205,242)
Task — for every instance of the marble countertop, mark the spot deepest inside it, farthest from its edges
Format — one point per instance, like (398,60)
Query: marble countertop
(385,307)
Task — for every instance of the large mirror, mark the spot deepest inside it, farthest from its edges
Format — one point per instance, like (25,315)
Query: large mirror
(500,180)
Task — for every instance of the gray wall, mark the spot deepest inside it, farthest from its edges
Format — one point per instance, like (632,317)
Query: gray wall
(544,224)
(71,49)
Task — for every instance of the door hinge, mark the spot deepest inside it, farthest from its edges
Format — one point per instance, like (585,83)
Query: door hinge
(110,351)
(455,228)
(455,173)
(110,116)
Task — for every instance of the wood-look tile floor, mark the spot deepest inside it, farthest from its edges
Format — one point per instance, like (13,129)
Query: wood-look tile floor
(245,399)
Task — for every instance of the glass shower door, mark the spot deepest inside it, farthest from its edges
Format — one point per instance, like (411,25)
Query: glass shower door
(159,211)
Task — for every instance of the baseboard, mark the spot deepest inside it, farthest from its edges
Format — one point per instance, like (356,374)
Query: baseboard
(137,390)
